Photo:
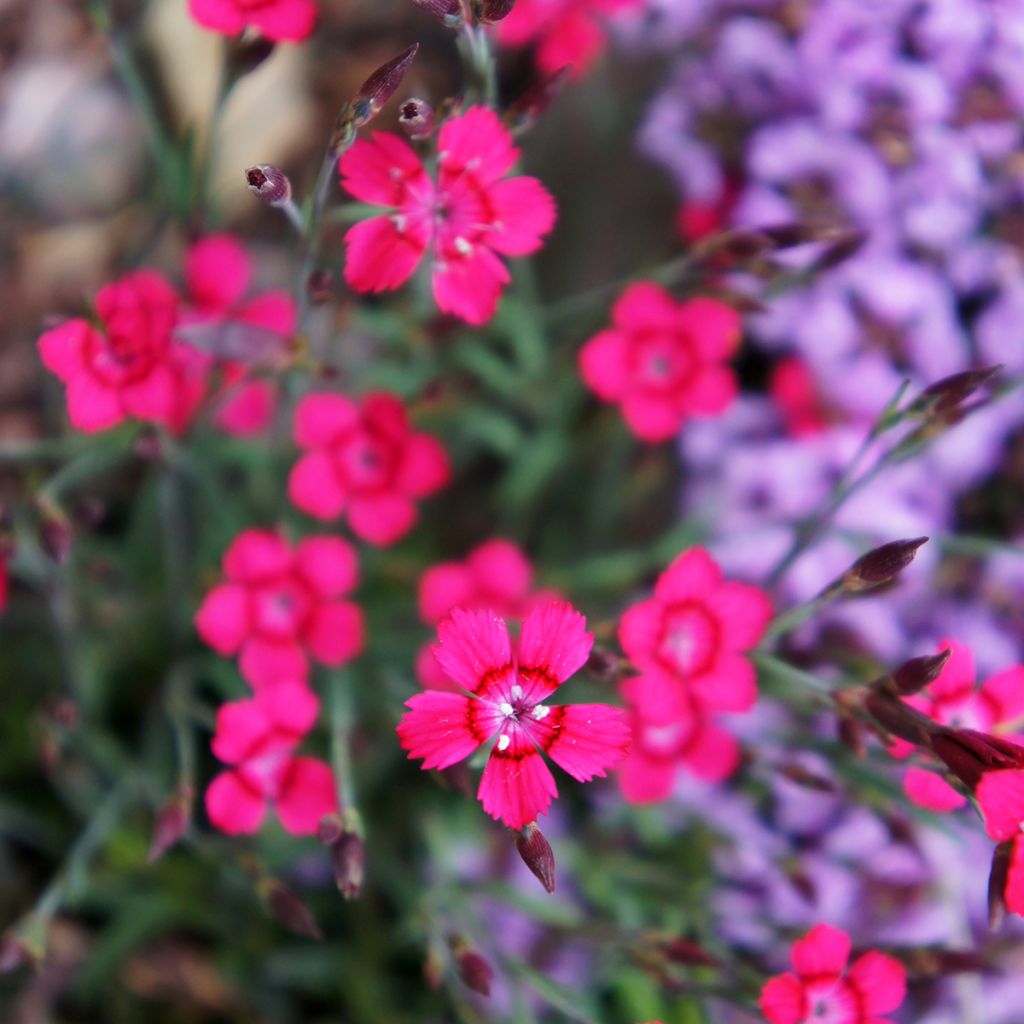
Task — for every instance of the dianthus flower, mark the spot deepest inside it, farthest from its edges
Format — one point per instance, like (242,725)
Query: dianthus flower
(256,738)
(284,21)
(688,639)
(132,368)
(663,361)
(217,272)
(277,603)
(823,990)
(364,461)
(470,217)
(666,740)
(952,699)
(504,697)
(1013,894)
(567,32)
(495,575)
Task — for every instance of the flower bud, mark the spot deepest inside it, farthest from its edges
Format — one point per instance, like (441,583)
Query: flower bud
(689,953)
(171,823)
(537,854)
(55,536)
(524,112)
(416,118)
(998,878)
(269,183)
(448,12)
(248,51)
(473,970)
(491,10)
(846,247)
(379,88)
(881,565)
(900,719)
(800,775)
(852,735)
(950,392)
(914,675)
(605,663)
(319,286)
(347,852)
(287,909)
(970,754)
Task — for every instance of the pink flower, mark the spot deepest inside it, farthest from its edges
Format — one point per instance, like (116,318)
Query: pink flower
(794,393)
(495,575)
(823,990)
(1013,895)
(687,737)
(663,361)
(278,603)
(469,218)
(953,700)
(284,21)
(567,32)
(505,698)
(256,737)
(364,461)
(688,640)
(131,369)
(1000,796)
(218,272)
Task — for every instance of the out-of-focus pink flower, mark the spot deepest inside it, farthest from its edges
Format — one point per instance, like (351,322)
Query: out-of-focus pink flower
(277,604)
(663,361)
(364,461)
(663,743)
(505,698)
(132,368)
(284,21)
(688,639)
(469,218)
(567,32)
(1000,796)
(218,271)
(495,575)
(822,989)
(954,700)
(257,737)
(794,393)
(1013,895)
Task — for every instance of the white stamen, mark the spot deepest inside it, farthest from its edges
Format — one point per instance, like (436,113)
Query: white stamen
(396,173)
(472,165)
(503,742)
(505,708)
(541,711)
(442,156)
(398,220)
(497,225)
(463,246)
(517,692)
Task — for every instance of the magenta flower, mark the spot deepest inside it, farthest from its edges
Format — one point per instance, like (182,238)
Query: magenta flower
(495,575)
(688,640)
(953,700)
(663,743)
(277,604)
(284,21)
(504,697)
(470,217)
(663,361)
(364,461)
(1000,796)
(218,271)
(256,737)
(823,990)
(1013,894)
(567,32)
(132,368)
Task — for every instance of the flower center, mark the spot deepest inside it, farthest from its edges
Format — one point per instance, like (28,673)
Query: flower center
(690,639)
(515,708)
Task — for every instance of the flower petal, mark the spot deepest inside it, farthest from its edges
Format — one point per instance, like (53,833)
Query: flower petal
(584,739)
(880,981)
(690,576)
(743,612)
(476,139)
(273,311)
(92,405)
(472,647)
(646,780)
(783,1000)
(335,633)
(554,644)
(306,792)
(424,468)
(243,729)
(288,21)
(517,785)
(315,487)
(257,555)
(713,326)
(382,520)
(822,952)
(604,365)
(217,272)
(469,286)
(1005,691)
(267,663)
(62,348)
(223,618)
(524,213)
(444,587)
(383,169)
(321,420)
(1000,796)
(440,727)
(652,417)
(328,564)
(730,684)
(233,805)
(380,257)
(931,791)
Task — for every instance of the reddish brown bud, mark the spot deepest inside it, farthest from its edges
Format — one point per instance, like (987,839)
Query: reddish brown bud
(287,909)
(852,736)
(689,954)
(997,881)
(605,663)
(537,854)
(808,779)
(950,392)
(171,822)
(379,88)
(448,12)
(491,10)
(846,247)
(900,719)
(416,118)
(319,286)
(969,754)
(248,51)
(914,675)
(269,183)
(473,970)
(525,111)
(881,565)
(348,854)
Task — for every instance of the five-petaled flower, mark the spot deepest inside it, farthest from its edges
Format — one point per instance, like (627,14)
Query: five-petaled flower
(277,603)
(824,991)
(281,20)
(470,217)
(663,361)
(688,639)
(132,368)
(504,697)
(364,461)
(257,738)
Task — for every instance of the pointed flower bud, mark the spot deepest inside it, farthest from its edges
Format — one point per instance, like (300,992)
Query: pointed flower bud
(900,719)
(248,51)
(881,565)
(416,118)
(347,852)
(689,953)
(526,111)
(448,12)
(970,755)
(950,392)
(485,11)
(473,970)
(537,854)
(998,878)
(269,183)
(171,822)
(288,909)
(844,248)
(319,286)
(379,88)
(914,675)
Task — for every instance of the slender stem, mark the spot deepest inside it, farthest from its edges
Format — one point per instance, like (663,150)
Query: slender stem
(341,754)
(205,165)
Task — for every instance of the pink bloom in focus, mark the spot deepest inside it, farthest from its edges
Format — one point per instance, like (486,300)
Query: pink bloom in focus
(284,21)
(256,737)
(505,698)
(277,603)
(131,369)
(663,361)
(470,217)
(823,991)
(954,700)
(495,575)
(686,737)
(364,461)
(688,639)
(567,32)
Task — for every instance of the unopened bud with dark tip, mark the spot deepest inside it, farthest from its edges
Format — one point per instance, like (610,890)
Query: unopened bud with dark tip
(881,565)
(416,118)
(537,854)
(485,11)
(998,878)
(900,720)
(473,970)
(946,394)
(606,664)
(970,755)
(448,12)
(914,675)
(248,51)
(269,183)
(845,248)
(55,537)
(524,112)
(689,953)
(380,87)
(797,773)
(739,246)
(319,286)
(348,854)
(288,909)
(171,823)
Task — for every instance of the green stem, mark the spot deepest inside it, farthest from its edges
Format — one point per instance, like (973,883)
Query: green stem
(226,81)
(341,754)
